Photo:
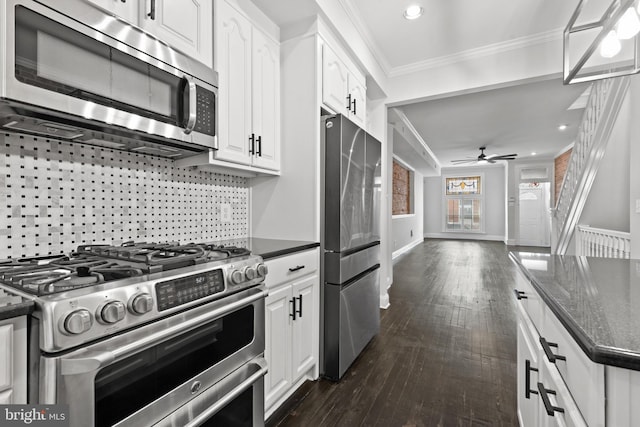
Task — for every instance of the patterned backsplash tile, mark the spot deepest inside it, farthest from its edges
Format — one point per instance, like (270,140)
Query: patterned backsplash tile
(57,195)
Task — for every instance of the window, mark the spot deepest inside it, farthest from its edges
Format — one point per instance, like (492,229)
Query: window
(402,189)
(463,204)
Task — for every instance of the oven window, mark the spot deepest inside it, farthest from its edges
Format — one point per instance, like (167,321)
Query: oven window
(59,59)
(237,413)
(126,386)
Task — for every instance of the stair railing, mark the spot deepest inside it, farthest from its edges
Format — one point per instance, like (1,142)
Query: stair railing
(598,120)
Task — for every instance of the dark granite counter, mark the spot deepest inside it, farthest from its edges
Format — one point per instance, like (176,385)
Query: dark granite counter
(271,248)
(596,299)
(12,305)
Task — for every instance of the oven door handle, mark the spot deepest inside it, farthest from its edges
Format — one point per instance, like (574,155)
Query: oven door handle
(89,361)
(239,389)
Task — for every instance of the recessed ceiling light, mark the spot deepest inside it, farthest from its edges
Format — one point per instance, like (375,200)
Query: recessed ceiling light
(413,12)
(563,127)
(533,153)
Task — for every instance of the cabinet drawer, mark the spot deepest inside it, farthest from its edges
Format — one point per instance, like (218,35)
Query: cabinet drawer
(583,378)
(530,299)
(553,389)
(291,267)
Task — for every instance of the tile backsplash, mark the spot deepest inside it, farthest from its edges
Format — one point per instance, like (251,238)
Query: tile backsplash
(57,195)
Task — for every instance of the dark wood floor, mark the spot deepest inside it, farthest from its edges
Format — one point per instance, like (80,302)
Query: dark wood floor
(445,355)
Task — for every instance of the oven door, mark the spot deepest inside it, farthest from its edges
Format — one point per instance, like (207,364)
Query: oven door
(143,376)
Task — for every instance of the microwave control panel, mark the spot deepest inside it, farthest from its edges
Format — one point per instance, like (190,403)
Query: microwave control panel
(206,111)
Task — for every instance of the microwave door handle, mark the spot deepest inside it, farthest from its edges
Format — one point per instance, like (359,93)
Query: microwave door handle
(191,120)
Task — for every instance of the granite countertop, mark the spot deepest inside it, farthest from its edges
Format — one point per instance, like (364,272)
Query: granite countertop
(596,299)
(12,305)
(271,248)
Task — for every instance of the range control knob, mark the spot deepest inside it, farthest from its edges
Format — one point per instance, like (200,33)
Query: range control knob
(262,270)
(77,322)
(111,312)
(250,273)
(140,303)
(237,277)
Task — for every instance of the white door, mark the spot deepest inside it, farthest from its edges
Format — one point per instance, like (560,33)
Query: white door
(534,215)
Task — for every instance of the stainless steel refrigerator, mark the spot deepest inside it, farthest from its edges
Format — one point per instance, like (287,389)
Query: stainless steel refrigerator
(351,242)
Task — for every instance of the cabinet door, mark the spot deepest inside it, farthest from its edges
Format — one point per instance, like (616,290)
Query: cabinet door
(528,372)
(358,92)
(127,9)
(266,101)
(305,326)
(334,81)
(184,24)
(277,351)
(233,61)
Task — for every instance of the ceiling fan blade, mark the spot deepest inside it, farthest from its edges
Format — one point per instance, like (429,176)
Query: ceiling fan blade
(504,157)
(491,160)
(459,162)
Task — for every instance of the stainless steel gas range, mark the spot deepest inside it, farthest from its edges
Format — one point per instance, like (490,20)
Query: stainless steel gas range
(146,334)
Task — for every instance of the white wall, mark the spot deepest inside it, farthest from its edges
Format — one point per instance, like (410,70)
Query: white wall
(494,202)
(634,160)
(408,229)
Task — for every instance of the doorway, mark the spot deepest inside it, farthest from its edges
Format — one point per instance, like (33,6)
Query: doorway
(534,219)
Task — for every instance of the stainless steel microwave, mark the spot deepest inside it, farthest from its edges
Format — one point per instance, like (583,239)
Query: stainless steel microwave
(73,72)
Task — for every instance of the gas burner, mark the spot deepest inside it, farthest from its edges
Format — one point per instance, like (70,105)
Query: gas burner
(43,276)
(96,264)
(147,253)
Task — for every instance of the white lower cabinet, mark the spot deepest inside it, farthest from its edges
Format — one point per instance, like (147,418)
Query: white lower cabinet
(291,325)
(558,385)
(13,361)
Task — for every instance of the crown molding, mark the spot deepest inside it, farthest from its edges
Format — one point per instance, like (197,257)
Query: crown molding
(488,50)
(352,13)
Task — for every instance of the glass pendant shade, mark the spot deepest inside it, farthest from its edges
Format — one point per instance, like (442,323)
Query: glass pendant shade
(629,24)
(610,46)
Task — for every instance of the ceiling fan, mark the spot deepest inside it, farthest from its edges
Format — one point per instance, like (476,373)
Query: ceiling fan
(483,158)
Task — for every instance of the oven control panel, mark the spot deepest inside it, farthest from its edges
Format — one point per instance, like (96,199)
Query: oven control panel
(175,292)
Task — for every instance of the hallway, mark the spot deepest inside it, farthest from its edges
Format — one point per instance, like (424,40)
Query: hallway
(446,352)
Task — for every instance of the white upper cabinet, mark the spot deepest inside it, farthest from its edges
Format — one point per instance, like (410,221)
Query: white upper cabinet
(266,101)
(334,81)
(343,90)
(233,62)
(127,10)
(186,25)
(248,65)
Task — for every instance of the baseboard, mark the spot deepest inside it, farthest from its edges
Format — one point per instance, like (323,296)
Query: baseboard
(464,236)
(510,242)
(405,249)
(384,301)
